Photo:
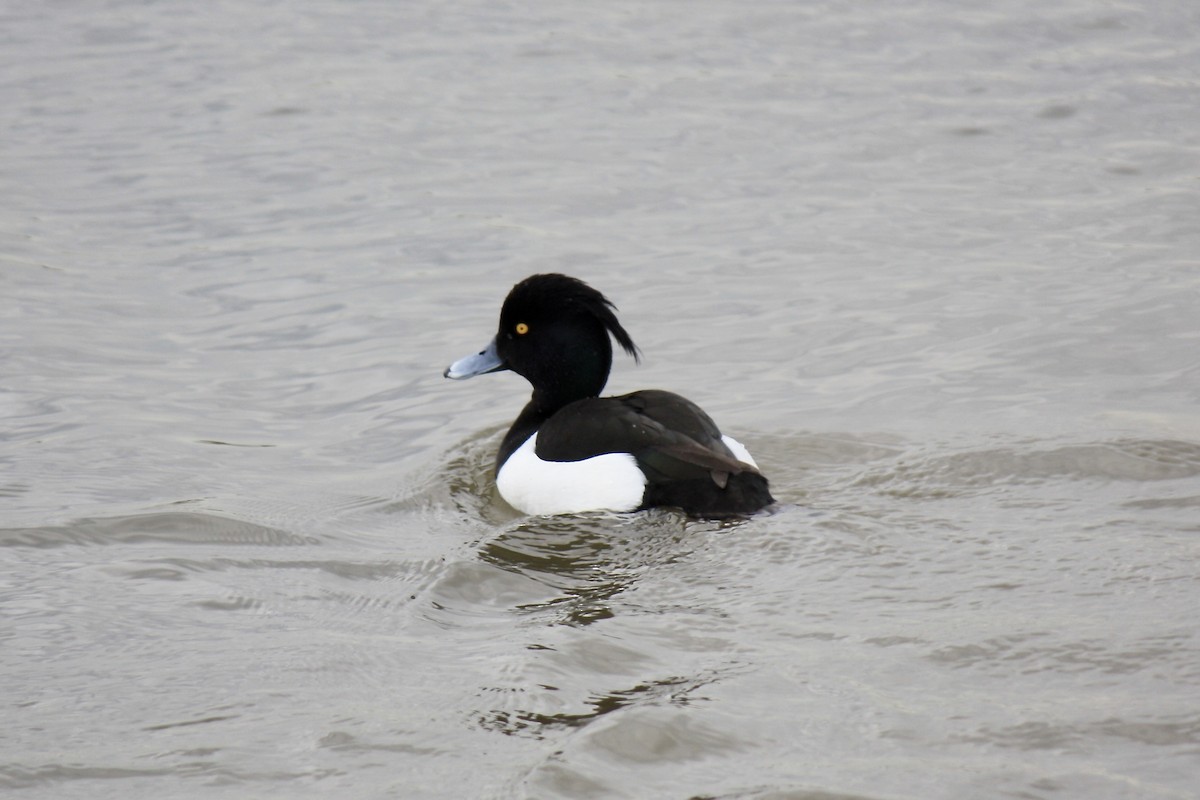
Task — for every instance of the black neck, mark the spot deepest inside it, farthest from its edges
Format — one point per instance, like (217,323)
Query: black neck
(529,420)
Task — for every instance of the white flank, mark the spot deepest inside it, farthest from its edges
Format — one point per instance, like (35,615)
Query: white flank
(739,452)
(611,482)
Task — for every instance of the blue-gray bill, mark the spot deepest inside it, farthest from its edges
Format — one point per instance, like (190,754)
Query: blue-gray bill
(486,360)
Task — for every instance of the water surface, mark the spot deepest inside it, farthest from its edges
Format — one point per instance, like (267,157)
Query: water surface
(934,263)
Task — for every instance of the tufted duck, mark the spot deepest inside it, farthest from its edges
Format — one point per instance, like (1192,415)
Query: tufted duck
(571,450)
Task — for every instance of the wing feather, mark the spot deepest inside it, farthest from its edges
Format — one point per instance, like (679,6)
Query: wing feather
(670,436)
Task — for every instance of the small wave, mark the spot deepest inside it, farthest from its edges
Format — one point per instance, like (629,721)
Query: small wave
(966,472)
(181,527)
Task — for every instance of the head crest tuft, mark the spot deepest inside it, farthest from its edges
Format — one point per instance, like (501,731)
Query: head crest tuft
(552,289)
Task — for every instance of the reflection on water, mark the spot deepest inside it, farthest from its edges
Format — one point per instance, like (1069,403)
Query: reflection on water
(569,558)
(670,691)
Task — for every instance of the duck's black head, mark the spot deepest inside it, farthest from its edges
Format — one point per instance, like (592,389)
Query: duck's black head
(554,331)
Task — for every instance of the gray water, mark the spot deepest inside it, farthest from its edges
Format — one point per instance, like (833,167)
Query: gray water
(937,264)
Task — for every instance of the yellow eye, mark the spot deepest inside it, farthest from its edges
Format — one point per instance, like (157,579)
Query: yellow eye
(522,329)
